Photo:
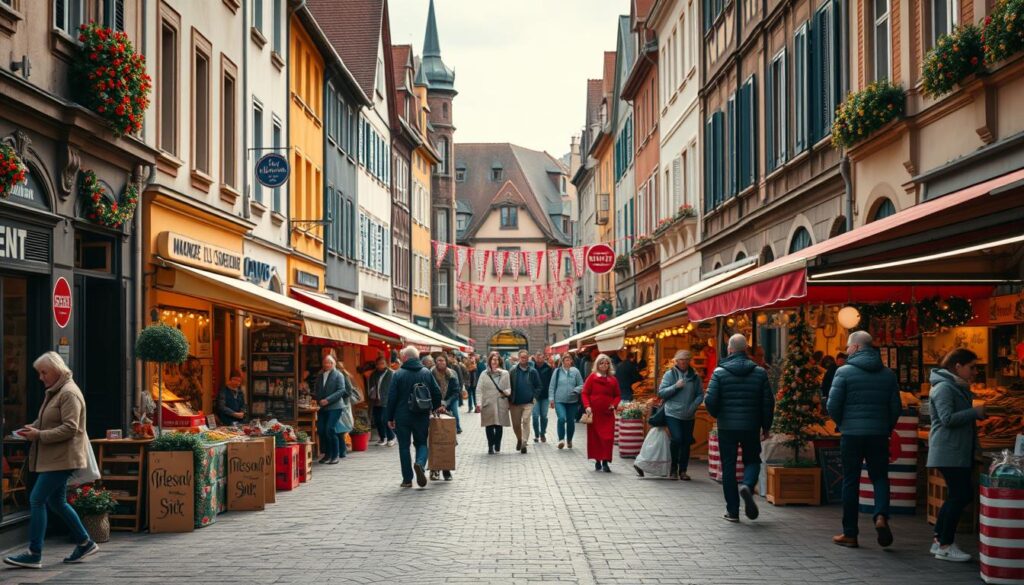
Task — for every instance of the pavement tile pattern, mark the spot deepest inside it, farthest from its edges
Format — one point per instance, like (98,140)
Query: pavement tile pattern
(543,517)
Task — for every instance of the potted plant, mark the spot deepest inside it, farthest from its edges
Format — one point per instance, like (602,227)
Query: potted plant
(796,410)
(865,111)
(360,435)
(631,428)
(110,78)
(161,344)
(1001,32)
(12,170)
(94,506)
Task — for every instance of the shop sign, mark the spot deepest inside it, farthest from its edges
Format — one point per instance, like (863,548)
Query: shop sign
(171,494)
(257,272)
(307,279)
(188,251)
(272,170)
(62,302)
(24,244)
(1006,309)
(30,193)
(601,258)
(245,475)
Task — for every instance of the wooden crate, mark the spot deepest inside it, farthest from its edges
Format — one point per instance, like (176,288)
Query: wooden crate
(937,496)
(794,485)
(122,469)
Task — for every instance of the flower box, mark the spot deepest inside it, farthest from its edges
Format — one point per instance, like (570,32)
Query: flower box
(794,485)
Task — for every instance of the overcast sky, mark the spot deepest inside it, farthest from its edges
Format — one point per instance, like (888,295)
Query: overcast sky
(520,65)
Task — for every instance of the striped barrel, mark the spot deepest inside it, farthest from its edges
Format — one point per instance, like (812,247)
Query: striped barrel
(715,459)
(1001,546)
(902,473)
(631,437)
(615,441)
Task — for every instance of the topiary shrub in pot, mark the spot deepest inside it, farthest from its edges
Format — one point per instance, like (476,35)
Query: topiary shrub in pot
(161,344)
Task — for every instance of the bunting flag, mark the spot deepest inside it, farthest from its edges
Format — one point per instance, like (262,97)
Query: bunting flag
(440,251)
(461,254)
(480,261)
(513,263)
(578,255)
(500,259)
(556,265)
(538,262)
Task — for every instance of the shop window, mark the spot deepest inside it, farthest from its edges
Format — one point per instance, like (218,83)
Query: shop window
(17,304)
(93,252)
(801,239)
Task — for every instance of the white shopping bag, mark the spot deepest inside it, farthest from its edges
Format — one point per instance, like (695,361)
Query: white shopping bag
(87,474)
(655,456)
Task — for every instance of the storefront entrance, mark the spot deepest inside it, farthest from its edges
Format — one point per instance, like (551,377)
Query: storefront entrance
(508,340)
(97,351)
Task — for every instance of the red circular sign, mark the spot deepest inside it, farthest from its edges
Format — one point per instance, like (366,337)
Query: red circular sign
(62,302)
(601,258)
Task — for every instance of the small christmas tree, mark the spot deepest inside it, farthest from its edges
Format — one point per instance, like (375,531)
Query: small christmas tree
(796,404)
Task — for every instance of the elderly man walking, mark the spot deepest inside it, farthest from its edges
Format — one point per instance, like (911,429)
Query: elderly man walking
(525,387)
(413,395)
(740,397)
(864,402)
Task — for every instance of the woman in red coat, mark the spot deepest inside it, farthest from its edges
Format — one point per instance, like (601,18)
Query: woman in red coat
(600,397)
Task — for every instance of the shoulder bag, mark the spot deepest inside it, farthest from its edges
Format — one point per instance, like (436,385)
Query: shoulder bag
(586,418)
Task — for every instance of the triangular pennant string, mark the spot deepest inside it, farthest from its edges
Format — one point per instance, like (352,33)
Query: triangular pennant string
(440,251)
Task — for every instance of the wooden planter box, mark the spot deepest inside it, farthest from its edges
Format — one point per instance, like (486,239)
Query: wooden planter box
(794,485)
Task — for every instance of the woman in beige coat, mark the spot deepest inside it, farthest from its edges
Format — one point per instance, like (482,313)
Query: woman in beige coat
(58,448)
(495,388)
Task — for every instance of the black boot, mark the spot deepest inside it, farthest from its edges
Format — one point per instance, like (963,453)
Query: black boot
(605,467)
(597,466)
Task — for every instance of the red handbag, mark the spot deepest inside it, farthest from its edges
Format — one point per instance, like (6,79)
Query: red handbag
(895,447)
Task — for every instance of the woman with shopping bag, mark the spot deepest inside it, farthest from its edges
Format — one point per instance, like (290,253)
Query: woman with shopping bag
(59,448)
(682,394)
(600,398)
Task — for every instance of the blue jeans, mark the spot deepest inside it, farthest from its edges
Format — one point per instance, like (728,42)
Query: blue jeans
(566,413)
(540,417)
(471,401)
(325,424)
(682,437)
(383,430)
(453,408)
(412,431)
(51,489)
(853,451)
(728,443)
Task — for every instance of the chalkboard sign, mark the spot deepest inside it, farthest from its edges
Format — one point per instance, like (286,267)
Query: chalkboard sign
(830,462)
(172,500)
(246,464)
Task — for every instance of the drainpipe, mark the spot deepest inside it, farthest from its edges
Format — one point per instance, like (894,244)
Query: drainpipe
(245,109)
(844,76)
(139,279)
(844,171)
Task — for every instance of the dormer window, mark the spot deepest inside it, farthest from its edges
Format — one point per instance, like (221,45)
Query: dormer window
(380,77)
(562,185)
(509,217)
(460,175)
(461,222)
(497,174)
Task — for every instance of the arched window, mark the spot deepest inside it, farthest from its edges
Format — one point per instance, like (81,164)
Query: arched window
(884,208)
(717,265)
(801,239)
(838,227)
(766,255)
(740,255)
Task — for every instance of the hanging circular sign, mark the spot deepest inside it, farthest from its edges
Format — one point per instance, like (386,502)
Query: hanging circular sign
(272,170)
(600,258)
(62,302)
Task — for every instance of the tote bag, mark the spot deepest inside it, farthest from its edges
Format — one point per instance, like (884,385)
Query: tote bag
(87,474)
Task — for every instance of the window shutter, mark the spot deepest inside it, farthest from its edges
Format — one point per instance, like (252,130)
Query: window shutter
(677,184)
(731,137)
(800,61)
(58,14)
(387,251)
(709,166)
(770,130)
(751,130)
(783,142)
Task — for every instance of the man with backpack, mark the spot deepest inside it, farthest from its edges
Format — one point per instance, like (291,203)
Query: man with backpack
(412,397)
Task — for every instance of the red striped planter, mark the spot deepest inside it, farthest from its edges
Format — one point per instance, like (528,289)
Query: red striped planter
(615,440)
(1001,538)
(715,459)
(631,437)
(902,473)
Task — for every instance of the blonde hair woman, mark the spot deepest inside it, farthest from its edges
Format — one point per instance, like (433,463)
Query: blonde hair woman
(600,397)
(59,445)
(495,389)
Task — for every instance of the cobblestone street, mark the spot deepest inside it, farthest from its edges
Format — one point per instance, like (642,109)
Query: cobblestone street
(544,517)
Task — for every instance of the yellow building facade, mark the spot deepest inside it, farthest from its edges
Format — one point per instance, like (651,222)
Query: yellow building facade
(306,266)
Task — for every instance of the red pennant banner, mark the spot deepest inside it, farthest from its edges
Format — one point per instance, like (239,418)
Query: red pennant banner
(440,251)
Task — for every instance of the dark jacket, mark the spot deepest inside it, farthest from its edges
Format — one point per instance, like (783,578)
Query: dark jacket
(627,373)
(864,400)
(411,373)
(228,403)
(335,391)
(953,436)
(385,383)
(451,389)
(739,395)
(826,382)
(681,403)
(525,384)
(544,370)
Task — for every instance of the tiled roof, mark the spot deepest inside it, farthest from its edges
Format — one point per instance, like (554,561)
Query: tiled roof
(402,57)
(609,73)
(354,28)
(594,95)
(643,8)
(527,169)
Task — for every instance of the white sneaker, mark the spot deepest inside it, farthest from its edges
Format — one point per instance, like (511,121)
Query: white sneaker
(391,443)
(952,553)
(935,547)
(381,443)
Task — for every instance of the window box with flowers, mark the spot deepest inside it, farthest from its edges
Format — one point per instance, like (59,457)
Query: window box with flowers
(94,506)
(866,111)
(1003,32)
(110,78)
(640,244)
(953,58)
(12,171)
(622,263)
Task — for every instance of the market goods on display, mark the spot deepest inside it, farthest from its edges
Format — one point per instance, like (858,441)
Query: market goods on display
(1005,420)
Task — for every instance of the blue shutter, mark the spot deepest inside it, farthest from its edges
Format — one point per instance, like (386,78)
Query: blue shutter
(387,251)
(800,88)
(751,131)
(732,162)
(770,132)
(709,165)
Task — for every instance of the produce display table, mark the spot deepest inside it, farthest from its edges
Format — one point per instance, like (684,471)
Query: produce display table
(212,478)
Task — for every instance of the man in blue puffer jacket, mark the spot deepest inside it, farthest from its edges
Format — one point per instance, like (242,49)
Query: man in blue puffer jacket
(740,397)
(864,402)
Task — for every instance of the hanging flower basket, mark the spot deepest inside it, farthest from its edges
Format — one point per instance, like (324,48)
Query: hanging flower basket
(100,209)
(866,111)
(12,171)
(110,78)
(952,59)
(1003,31)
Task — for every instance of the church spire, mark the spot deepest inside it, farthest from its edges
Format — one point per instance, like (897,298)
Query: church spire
(437,73)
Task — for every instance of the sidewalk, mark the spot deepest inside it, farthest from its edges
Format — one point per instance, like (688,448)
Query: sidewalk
(544,517)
